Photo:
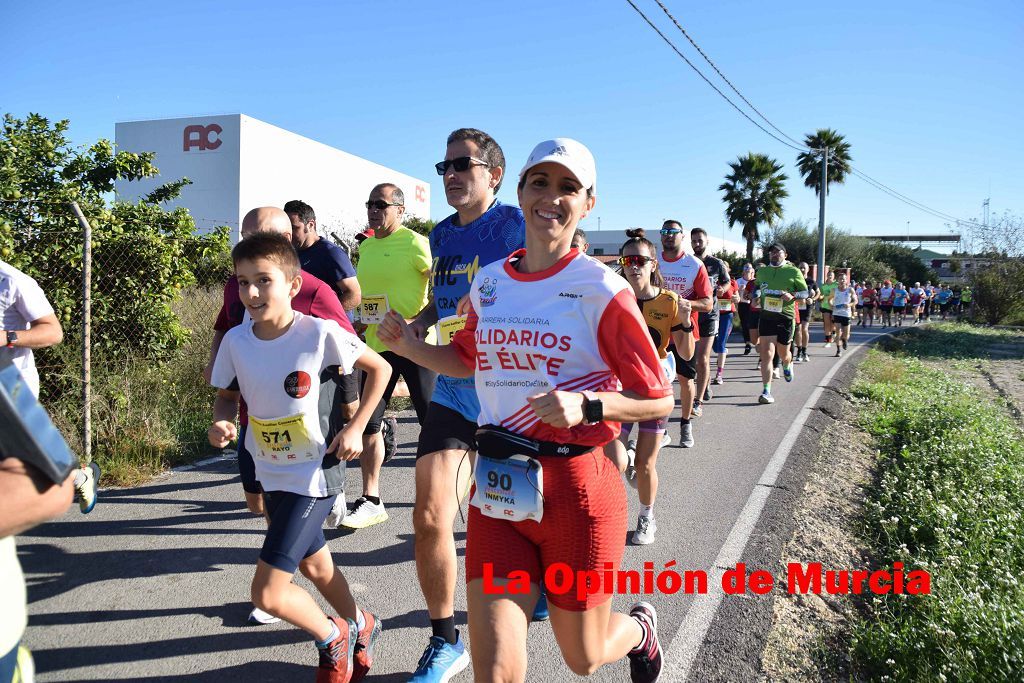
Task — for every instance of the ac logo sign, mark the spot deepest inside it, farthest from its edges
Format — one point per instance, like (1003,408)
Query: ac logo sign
(202,137)
(421,193)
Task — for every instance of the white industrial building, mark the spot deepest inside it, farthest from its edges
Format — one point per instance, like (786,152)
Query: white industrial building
(236,163)
(608,242)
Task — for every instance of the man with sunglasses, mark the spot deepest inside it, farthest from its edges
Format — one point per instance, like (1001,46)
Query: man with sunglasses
(394,274)
(482,230)
(686,275)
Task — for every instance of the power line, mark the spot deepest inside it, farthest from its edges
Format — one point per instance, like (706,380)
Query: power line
(723,77)
(878,185)
(912,202)
(706,80)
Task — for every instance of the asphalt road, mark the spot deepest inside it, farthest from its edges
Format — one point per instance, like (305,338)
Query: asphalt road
(153,584)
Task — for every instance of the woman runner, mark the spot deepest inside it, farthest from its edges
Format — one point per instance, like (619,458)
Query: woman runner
(551,336)
(667,316)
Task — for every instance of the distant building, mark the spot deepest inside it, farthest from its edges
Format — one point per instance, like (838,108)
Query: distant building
(953,269)
(608,242)
(236,163)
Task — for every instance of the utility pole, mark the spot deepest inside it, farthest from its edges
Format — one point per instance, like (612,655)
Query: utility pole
(822,190)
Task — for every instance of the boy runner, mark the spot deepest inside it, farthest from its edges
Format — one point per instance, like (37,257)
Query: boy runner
(276,359)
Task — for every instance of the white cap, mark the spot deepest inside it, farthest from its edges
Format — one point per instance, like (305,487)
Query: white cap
(569,153)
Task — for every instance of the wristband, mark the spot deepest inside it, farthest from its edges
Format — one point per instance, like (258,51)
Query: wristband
(680,328)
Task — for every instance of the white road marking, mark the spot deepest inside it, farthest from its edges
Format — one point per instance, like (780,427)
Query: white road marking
(682,652)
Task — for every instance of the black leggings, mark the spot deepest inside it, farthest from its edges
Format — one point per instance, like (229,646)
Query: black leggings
(744,311)
(421,387)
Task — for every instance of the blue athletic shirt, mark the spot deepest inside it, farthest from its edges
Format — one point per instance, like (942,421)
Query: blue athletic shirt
(900,297)
(458,253)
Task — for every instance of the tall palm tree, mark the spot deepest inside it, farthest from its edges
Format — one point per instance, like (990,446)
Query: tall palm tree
(839,159)
(753,195)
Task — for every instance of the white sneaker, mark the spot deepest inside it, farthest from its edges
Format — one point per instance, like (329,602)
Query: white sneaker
(258,616)
(828,345)
(646,527)
(766,397)
(364,514)
(631,467)
(776,374)
(338,512)
(666,440)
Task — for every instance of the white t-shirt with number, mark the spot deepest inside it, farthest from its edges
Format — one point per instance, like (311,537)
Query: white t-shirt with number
(280,380)
(21,303)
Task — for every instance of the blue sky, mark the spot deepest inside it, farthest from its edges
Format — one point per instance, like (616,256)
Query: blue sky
(929,94)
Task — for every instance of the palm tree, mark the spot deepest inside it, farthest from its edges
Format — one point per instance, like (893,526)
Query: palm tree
(753,195)
(809,163)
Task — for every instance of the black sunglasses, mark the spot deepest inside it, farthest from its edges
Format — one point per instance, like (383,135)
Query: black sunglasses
(380,204)
(634,261)
(460,164)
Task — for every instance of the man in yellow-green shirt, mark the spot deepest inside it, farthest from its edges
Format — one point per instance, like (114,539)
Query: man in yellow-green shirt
(393,274)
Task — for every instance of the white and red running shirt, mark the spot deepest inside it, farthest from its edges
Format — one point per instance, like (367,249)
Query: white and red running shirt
(573,327)
(687,277)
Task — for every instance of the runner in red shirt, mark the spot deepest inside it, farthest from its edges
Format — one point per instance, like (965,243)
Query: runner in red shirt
(869,296)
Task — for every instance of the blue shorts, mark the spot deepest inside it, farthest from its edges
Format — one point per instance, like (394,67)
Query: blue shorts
(9,665)
(246,466)
(296,528)
(724,330)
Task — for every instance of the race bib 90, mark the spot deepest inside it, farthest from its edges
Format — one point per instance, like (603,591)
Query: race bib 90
(773,304)
(509,489)
(283,441)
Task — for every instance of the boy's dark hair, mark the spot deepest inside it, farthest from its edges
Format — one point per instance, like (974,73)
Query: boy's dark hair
(271,246)
(490,151)
(304,211)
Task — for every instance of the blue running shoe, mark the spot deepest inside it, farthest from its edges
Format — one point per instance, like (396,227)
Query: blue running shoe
(787,371)
(441,661)
(540,610)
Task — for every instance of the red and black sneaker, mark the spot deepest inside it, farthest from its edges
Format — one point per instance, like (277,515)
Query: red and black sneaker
(336,659)
(645,661)
(362,660)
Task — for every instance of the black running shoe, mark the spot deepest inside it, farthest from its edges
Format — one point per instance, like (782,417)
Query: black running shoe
(388,427)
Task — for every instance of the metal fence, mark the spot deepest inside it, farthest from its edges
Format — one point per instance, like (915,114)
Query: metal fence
(125,386)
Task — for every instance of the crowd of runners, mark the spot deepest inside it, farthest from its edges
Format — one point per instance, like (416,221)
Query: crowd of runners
(522,356)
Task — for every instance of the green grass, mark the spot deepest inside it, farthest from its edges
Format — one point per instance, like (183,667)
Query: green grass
(949,498)
(147,415)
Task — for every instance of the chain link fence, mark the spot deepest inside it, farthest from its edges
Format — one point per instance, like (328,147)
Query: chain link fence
(137,304)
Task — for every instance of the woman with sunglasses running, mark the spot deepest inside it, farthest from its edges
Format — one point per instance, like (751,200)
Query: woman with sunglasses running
(668,318)
(551,336)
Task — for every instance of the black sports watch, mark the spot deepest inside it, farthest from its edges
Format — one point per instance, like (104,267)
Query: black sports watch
(593,409)
(11,338)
